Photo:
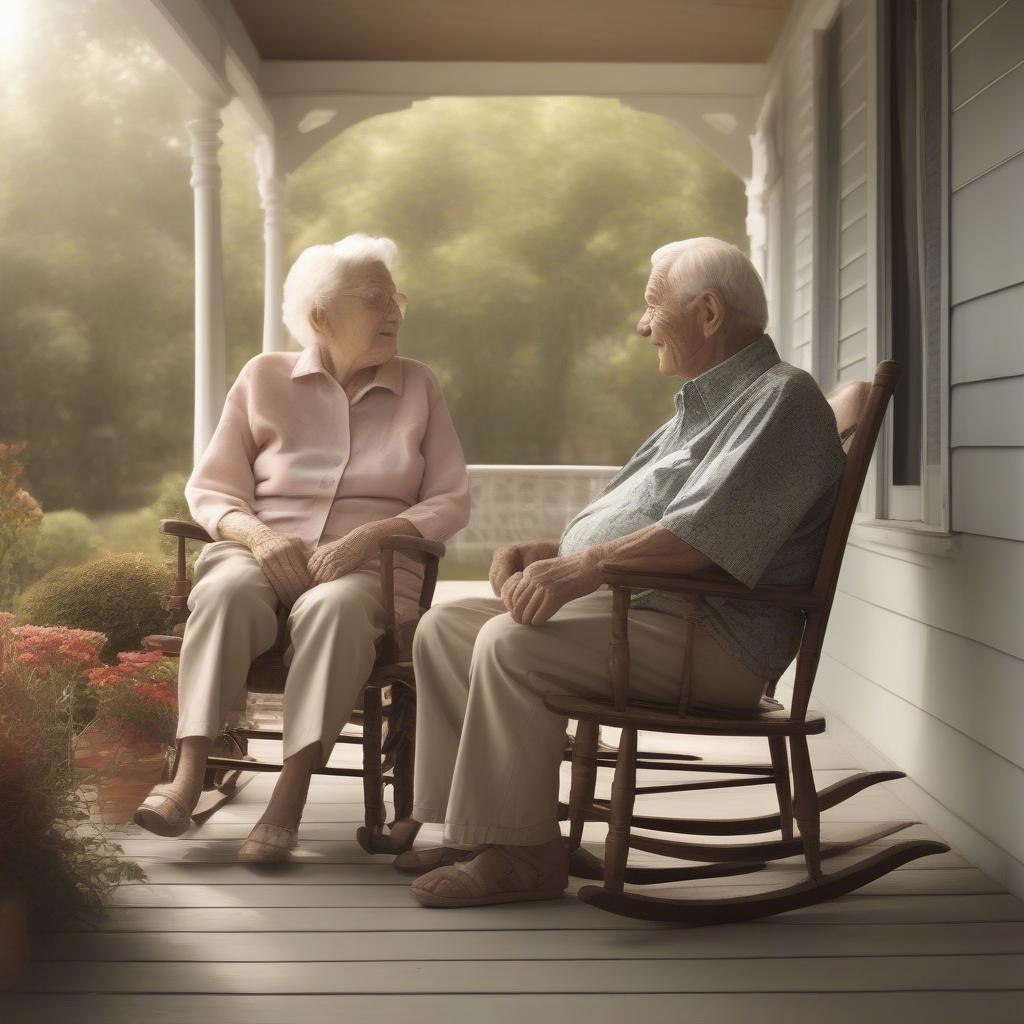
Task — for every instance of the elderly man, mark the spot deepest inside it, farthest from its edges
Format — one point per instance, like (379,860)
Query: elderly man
(743,477)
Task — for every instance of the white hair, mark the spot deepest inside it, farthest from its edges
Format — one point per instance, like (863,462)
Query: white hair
(321,271)
(692,265)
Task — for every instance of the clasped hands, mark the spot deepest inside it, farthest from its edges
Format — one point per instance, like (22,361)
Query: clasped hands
(283,560)
(533,582)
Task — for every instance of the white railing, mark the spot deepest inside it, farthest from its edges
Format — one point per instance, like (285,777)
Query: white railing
(512,503)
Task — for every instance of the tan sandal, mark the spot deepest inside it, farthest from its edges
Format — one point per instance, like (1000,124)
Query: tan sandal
(497,874)
(419,862)
(163,813)
(268,844)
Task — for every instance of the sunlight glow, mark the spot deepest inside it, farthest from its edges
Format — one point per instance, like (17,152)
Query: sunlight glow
(13,17)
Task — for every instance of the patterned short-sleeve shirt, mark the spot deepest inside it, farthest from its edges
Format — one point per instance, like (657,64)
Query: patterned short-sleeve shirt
(746,472)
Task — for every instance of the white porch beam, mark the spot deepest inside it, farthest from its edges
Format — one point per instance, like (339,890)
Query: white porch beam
(271,186)
(243,67)
(185,35)
(513,78)
(210,352)
(716,104)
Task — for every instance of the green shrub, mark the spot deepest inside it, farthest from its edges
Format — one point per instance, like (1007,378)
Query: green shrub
(118,595)
(136,531)
(170,503)
(65,538)
(61,540)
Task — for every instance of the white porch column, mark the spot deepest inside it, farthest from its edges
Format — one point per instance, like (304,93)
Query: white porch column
(211,355)
(766,167)
(271,185)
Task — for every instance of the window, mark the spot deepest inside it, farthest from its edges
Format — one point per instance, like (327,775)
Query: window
(912,136)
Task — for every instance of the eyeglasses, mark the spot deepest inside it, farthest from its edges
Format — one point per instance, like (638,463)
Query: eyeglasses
(380,300)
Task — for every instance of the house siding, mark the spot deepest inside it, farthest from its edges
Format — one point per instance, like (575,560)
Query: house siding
(924,656)
(850,356)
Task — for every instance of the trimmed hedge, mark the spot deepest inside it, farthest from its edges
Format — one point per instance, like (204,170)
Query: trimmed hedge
(118,595)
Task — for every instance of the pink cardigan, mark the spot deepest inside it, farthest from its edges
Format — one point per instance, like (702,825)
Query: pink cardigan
(292,449)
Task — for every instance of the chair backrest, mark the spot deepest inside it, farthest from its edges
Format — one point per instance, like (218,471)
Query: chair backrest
(859,409)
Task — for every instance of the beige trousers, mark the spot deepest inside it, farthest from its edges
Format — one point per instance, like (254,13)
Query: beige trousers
(488,752)
(333,628)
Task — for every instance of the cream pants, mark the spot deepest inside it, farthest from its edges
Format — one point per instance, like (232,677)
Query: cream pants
(488,752)
(333,628)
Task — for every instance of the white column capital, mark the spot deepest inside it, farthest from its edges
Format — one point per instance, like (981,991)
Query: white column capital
(269,182)
(204,132)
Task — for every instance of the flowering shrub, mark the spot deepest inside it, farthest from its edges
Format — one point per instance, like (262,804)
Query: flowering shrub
(138,695)
(58,661)
(49,855)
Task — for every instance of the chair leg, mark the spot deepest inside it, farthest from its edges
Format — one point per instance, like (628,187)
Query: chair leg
(373,776)
(807,812)
(584,779)
(373,837)
(404,700)
(623,795)
(780,768)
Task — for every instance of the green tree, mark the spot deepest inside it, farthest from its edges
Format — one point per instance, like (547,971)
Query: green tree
(96,258)
(525,227)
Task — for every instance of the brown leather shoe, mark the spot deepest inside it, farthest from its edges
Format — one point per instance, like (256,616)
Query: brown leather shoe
(427,858)
(498,874)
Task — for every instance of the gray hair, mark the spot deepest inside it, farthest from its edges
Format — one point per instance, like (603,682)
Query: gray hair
(694,264)
(321,271)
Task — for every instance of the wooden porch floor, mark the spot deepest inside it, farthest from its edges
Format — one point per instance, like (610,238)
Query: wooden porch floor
(336,936)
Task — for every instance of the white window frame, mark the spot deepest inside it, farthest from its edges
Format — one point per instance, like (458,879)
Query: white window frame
(889,517)
(923,507)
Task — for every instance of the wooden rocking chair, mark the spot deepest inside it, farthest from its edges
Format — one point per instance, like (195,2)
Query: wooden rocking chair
(387,715)
(860,408)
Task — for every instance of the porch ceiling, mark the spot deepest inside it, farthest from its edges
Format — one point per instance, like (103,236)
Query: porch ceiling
(644,31)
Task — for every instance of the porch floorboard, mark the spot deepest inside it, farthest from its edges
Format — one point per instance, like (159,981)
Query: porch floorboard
(336,935)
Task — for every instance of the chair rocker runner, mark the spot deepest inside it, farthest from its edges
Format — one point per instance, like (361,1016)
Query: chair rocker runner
(387,716)
(860,408)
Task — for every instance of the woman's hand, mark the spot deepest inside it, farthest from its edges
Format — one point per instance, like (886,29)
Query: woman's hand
(340,557)
(535,594)
(513,558)
(281,557)
(283,561)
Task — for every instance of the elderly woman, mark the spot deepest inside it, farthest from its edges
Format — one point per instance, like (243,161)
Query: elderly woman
(318,455)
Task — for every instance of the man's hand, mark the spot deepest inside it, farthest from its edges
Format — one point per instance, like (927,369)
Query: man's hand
(513,558)
(533,595)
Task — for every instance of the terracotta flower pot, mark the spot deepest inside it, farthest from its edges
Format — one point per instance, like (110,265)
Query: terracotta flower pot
(126,767)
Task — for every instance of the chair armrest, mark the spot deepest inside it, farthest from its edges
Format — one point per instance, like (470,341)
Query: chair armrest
(177,599)
(681,583)
(430,553)
(418,547)
(181,528)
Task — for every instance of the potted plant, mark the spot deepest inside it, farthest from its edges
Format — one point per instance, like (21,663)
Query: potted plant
(129,745)
(55,865)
